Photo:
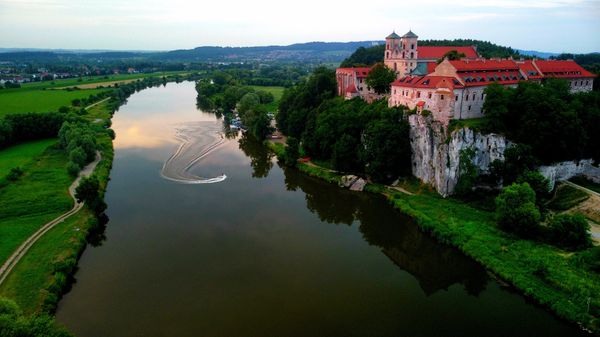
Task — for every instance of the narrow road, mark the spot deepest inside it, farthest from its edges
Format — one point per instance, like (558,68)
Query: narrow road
(12,261)
(93,105)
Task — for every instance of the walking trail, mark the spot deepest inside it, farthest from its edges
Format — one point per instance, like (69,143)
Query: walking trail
(93,105)
(12,261)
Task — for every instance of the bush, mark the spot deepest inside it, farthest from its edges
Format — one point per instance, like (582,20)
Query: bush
(570,231)
(14,324)
(14,174)
(73,168)
(516,211)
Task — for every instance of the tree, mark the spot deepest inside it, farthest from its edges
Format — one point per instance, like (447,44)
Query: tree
(292,152)
(539,184)
(345,155)
(570,231)
(467,172)
(380,78)
(78,156)
(248,102)
(386,149)
(516,211)
(452,56)
(88,191)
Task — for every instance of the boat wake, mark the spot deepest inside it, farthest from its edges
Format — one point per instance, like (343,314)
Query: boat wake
(198,140)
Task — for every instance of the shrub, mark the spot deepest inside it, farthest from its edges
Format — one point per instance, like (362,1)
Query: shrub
(73,168)
(570,231)
(516,211)
(14,174)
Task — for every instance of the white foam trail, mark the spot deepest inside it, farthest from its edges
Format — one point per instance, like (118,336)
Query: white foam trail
(198,140)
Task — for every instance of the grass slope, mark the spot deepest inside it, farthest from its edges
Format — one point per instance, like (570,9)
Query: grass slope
(21,154)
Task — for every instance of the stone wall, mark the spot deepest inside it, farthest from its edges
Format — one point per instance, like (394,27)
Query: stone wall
(436,154)
(568,169)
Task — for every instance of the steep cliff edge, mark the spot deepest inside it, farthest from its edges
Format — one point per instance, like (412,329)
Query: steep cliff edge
(436,154)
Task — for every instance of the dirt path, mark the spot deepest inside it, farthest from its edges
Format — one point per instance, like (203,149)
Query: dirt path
(93,105)
(590,208)
(12,261)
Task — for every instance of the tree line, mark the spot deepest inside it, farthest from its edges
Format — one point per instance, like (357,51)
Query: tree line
(224,94)
(352,135)
(554,123)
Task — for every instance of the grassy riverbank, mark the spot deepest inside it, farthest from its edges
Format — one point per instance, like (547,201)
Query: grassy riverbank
(556,279)
(38,280)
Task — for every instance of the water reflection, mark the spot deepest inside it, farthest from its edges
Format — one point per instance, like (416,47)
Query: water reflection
(260,156)
(436,267)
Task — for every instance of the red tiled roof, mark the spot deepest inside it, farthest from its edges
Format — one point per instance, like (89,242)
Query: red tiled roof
(431,67)
(421,103)
(437,52)
(360,72)
(430,82)
(484,65)
(476,79)
(529,69)
(562,69)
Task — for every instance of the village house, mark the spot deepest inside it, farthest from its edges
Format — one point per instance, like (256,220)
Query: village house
(452,89)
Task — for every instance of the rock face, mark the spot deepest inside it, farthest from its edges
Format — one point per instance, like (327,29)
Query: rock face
(436,154)
(568,169)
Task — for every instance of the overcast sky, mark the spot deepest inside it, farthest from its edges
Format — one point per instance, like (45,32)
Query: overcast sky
(544,25)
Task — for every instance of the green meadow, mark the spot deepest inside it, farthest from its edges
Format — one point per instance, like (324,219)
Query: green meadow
(21,154)
(16,101)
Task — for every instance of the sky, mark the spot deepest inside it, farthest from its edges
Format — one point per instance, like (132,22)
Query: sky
(543,25)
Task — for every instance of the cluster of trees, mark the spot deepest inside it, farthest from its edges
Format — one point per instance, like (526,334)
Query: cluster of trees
(369,56)
(224,94)
(13,323)
(88,191)
(78,140)
(517,212)
(354,136)
(555,124)
(22,127)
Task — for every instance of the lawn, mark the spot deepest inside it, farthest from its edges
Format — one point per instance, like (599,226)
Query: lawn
(40,100)
(277,93)
(21,154)
(37,197)
(590,185)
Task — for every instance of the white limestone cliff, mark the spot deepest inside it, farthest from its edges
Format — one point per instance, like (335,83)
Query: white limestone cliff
(436,154)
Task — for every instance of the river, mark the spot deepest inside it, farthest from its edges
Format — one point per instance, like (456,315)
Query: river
(265,251)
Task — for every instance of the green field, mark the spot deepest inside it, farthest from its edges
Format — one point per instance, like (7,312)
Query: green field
(37,197)
(277,93)
(40,100)
(21,154)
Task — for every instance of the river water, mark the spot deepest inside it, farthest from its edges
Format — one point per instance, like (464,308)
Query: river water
(265,251)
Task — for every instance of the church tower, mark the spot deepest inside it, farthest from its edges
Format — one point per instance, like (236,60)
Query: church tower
(409,52)
(392,51)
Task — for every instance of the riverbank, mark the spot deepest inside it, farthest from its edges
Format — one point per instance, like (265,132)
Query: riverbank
(44,273)
(553,278)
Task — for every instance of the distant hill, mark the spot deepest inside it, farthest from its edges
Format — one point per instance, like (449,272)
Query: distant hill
(535,53)
(319,52)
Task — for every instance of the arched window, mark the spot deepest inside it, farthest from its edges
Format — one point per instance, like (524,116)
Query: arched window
(412,55)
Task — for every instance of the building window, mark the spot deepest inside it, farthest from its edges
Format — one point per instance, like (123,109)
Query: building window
(412,55)
(467,97)
(469,108)
(482,96)
(456,98)
(441,96)
(412,46)
(473,96)
(429,95)
(418,94)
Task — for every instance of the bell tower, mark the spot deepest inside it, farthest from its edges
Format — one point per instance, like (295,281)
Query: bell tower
(409,53)
(392,51)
